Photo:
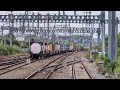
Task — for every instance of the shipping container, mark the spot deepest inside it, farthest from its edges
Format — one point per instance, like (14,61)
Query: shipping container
(57,48)
(53,48)
(70,47)
(50,49)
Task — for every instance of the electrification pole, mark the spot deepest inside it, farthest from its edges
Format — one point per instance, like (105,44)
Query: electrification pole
(2,37)
(112,35)
(103,32)
(11,29)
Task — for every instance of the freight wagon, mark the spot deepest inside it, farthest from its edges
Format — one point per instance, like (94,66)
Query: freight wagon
(42,50)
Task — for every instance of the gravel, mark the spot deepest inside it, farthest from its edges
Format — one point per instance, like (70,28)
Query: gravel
(62,73)
(24,71)
(92,67)
(43,74)
(66,72)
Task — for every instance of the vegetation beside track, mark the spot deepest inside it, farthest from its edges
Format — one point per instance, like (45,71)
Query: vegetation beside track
(114,65)
(109,65)
(6,50)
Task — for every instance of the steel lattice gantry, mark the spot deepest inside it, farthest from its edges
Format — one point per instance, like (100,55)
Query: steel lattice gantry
(53,18)
(91,19)
(52,29)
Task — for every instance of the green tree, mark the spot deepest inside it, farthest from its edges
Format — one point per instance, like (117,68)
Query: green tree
(15,42)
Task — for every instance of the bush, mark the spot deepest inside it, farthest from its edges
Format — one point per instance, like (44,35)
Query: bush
(15,42)
(95,55)
(109,65)
(118,51)
(16,49)
(112,64)
(25,44)
(88,55)
(105,70)
(117,69)
(118,62)
(106,61)
(3,50)
(9,50)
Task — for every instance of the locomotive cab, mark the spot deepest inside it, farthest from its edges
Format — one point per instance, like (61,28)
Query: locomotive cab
(36,50)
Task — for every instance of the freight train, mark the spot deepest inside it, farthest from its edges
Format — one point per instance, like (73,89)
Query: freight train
(40,50)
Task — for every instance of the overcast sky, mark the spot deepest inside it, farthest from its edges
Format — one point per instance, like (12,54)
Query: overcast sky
(67,13)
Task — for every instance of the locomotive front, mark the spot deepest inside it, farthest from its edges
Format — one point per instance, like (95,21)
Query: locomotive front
(36,50)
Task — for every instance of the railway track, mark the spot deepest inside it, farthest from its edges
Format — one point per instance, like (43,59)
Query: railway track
(47,66)
(12,62)
(59,65)
(74,76)
(50,67)
(11,65)
(50,73)
(73,70)
(11,58)
(87,71)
